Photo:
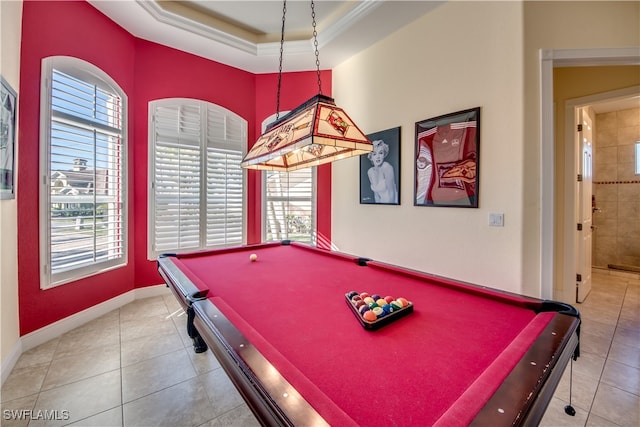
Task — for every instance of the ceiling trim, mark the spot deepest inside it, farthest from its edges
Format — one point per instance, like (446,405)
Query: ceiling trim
(178,21)
(328,34)
(360,11)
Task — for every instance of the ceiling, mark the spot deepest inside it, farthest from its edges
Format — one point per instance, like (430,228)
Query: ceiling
(246,33)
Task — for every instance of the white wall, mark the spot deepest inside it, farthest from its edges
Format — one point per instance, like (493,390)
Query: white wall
(555,26)
(463,55)
(10,28)
(459,56)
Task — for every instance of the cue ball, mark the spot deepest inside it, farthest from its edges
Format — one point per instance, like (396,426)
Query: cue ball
(253,257)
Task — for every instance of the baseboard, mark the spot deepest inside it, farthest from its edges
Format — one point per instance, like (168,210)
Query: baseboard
(10,361)
(54,330)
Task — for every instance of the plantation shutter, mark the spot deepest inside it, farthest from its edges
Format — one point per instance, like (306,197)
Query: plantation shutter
(225,137)
(197,183)
(177,178)
(289,206)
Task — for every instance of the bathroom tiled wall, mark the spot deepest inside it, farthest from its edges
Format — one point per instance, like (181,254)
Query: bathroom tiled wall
(616,189)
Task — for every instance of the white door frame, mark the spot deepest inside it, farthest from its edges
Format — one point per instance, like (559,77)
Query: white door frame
(549,59)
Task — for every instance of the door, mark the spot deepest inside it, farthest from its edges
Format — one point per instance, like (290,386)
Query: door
(585,224)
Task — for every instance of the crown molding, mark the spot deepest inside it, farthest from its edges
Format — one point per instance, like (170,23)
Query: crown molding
(346,21)
(183,23)
(331,32)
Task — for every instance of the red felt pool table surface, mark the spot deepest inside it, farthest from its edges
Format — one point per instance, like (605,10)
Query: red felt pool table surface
(439,364)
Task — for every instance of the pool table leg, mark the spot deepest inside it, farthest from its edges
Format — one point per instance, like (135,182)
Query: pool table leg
(198,343)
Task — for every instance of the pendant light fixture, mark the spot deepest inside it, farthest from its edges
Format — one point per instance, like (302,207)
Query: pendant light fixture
(316,132)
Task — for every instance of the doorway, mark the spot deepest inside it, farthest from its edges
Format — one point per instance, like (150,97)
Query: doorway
(550,58)
(592,204)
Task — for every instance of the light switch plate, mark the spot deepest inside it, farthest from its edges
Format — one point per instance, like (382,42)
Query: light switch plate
(496,220)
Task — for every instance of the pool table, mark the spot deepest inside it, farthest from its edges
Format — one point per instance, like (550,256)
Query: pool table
(282,328)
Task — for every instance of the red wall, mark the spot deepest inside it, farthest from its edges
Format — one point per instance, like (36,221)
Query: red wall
(162,72)
(72,29)
(145,71)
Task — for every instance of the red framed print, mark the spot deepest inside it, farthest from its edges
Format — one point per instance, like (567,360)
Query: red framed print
(447,150)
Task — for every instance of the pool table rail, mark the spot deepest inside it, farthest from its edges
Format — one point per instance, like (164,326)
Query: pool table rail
(537,374)
(273,400)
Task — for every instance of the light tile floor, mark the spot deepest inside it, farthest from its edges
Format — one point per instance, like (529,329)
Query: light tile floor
(606,376)
(132,367)
(135,367)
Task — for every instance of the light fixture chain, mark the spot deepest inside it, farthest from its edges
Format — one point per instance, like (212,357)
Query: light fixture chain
(284,13)
(315,45)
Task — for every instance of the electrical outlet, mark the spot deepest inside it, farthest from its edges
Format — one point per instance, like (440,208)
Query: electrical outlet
(496,220)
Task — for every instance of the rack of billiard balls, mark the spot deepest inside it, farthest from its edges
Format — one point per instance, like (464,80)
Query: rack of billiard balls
(374,311)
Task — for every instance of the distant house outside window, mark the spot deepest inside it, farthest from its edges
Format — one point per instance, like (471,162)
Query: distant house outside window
(83,167)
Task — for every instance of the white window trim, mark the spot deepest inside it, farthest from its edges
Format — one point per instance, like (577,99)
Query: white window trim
(153,254)
(90,73)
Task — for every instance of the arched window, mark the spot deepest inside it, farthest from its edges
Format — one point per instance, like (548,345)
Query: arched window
(196,184)
(83,143)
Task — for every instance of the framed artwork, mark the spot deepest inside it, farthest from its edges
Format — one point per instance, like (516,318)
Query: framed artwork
(447,155)
(380,169)
(8,100)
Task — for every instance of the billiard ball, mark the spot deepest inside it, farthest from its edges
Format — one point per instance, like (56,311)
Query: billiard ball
(403,302)
(389,299)
(253,257)
(363,309)
(381,302)
(379,312)
(376,297)
(369,316)
(368,300)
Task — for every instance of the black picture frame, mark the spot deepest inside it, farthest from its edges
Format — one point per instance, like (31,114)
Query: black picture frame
(8,100)
(386,142)
(447,159)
